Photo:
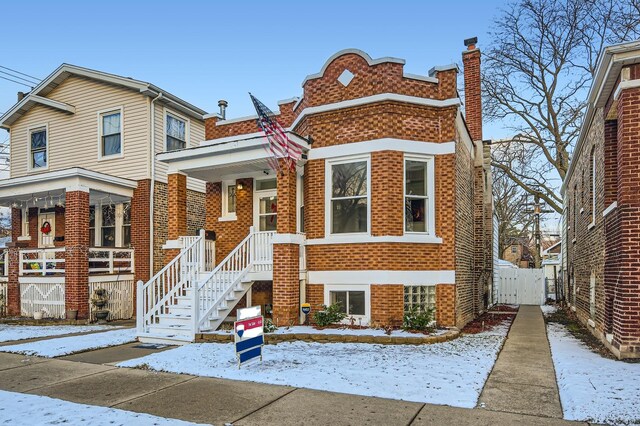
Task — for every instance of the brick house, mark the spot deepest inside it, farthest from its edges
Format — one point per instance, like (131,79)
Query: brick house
(601,237)
(88,199)
(517,251)
(389,208)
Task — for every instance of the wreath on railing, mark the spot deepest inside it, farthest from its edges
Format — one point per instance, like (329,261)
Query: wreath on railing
(46,228)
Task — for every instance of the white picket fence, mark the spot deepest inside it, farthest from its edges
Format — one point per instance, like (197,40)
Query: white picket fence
(3,296)
(520,286)
(48,297)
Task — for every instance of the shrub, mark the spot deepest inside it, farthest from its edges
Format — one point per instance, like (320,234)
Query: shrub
(329,315)
(418,321)
(269,326)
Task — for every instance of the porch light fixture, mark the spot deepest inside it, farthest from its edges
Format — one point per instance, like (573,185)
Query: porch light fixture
(240,186)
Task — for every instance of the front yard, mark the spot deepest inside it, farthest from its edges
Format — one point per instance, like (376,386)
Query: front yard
(451,373)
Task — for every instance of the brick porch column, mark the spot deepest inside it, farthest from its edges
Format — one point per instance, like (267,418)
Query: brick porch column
(626,316)
(13,286)
(177,210)
(76,225)
(140,237)
(286,248)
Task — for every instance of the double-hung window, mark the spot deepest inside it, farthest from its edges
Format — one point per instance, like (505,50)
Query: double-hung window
(229,199)
(176,133)
(110,133)
(38,148)
(349,196)
(418,195)
(126,224)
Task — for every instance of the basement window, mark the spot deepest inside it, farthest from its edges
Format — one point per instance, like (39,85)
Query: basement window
(351,302)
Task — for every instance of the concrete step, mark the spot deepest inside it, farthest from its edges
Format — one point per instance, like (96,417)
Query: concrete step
(171,330)
(163,339)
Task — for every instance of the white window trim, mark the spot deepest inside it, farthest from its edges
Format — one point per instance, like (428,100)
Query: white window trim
(328,184)
(187,127)
(119,109)
(25,222)
(30,130)
(431,192)
(226,215)
(366,318)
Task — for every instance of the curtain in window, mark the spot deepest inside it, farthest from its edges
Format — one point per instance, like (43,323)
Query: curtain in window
(176,133)
(111,139)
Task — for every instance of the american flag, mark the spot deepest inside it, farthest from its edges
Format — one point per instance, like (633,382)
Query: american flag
(279,146)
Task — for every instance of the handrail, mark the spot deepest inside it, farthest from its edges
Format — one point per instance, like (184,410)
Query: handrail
(126,264)
(155,295)
(41,260)
(234,267)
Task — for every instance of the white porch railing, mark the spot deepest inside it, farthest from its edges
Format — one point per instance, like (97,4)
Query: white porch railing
(104,260)
(154,297)
(41,261)
(209,255)
(253,254)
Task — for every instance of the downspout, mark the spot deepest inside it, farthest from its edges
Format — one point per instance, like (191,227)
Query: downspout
(152,188)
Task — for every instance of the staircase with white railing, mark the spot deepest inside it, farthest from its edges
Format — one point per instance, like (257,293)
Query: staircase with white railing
(184,299)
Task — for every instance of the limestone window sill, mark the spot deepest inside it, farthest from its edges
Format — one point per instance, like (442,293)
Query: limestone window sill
(229,218)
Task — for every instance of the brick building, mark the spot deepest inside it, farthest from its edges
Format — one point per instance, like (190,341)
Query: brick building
(88,198)
(390,206)
(601,239)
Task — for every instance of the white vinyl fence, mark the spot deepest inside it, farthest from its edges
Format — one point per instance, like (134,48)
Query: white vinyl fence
(48,297)
(519,286)
(3,296)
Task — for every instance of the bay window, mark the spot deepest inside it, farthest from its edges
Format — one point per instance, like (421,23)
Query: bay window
(418,195)
(349,196)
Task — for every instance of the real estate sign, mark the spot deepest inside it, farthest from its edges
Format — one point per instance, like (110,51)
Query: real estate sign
(249,335)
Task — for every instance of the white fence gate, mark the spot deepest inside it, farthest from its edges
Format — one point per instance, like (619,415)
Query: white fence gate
(521,286)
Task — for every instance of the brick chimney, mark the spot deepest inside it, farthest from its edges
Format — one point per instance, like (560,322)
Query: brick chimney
(472,94)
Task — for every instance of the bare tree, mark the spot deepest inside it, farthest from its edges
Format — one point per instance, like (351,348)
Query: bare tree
(537,72)
(513,220)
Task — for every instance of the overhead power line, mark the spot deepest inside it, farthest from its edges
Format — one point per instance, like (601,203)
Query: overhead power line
(21,73)
(18,77)
(19,82)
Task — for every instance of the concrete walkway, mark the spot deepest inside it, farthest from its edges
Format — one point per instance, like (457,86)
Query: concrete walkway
(91,378)
(523,379)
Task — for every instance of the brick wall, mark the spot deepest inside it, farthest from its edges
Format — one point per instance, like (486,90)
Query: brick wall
(13,286)
(286,285)
(140,238)
(387,304)
(446,302)
(77,252)
(315,297)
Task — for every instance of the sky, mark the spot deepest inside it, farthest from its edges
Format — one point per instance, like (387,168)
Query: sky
(203,51)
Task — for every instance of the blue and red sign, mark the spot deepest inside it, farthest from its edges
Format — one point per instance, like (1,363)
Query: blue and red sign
(249,337)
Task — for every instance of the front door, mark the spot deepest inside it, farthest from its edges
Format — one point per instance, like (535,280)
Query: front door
(266,210)
(46,229)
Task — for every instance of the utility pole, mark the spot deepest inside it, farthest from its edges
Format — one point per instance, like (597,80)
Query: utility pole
(537,210)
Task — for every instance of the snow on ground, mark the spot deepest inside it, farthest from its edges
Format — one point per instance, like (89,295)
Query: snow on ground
(451,373)
(68,345)
(10,332)
(342,331)
(21,409)
(548,309)
(593,388)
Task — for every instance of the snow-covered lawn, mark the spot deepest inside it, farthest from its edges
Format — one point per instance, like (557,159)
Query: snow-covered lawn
(451,373)
(20,332)
(300,329)
(593,388)
(68,345)
(548,309)
(22,409)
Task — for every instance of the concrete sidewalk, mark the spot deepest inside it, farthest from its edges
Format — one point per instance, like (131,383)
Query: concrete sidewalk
(523,379)
(218,401)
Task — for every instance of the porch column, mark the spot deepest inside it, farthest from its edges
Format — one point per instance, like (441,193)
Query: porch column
(13,285)
(140,237)
(286,248)
(177,210)
(76,224)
